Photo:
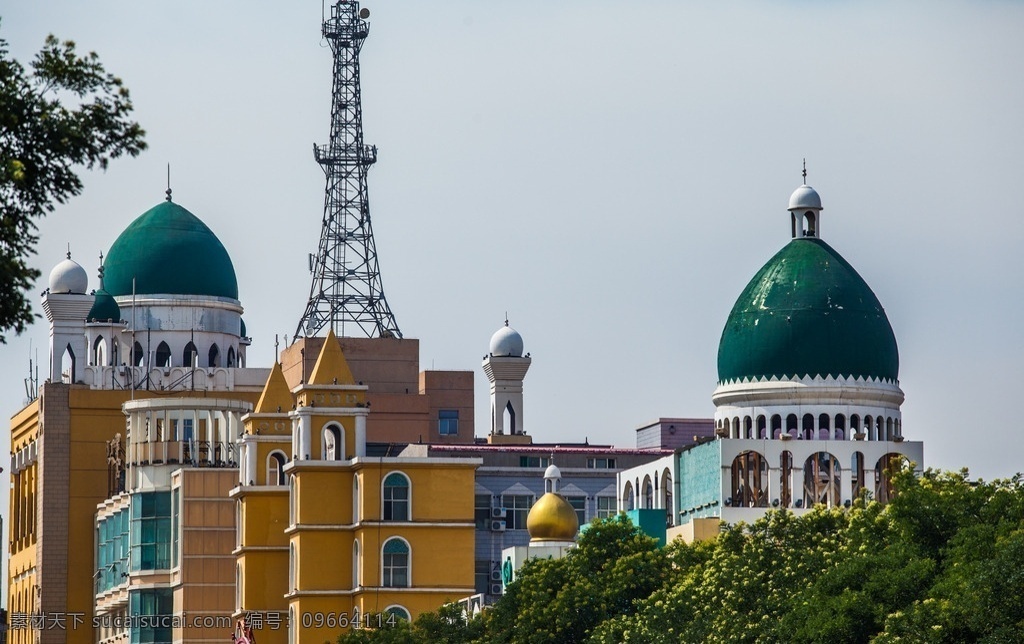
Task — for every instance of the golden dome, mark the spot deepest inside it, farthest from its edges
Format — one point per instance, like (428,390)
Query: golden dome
(552,519)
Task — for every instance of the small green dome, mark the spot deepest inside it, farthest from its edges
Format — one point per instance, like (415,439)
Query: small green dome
(241,324)
(104,309)
(169,250)
(807,313)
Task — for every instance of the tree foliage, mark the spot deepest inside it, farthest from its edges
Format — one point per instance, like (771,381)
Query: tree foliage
(62,114)
(943,562)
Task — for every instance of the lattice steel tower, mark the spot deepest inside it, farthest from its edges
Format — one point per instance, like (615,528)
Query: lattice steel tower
(346,292)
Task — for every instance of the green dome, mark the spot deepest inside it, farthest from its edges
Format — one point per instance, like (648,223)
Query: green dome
(104,309)
(807,313)
(168,250)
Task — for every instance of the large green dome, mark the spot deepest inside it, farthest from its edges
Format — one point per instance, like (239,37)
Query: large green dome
(807,313)
(168,250)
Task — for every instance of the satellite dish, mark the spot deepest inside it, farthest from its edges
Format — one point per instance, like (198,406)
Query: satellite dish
(364,13)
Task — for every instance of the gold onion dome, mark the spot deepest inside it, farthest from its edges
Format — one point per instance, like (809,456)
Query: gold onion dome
(552,518)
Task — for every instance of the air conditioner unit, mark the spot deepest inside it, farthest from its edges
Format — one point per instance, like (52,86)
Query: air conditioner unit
(496,589)
(497,513)
(497,526)
(496,575)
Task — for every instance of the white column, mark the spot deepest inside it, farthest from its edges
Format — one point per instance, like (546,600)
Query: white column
(360,435)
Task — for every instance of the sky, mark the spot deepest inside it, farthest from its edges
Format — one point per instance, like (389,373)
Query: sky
(609,174)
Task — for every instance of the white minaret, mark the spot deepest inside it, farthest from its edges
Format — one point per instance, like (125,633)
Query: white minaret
(506,367)
(66,305)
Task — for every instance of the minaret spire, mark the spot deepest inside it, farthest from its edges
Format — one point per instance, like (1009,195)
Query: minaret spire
(346,294)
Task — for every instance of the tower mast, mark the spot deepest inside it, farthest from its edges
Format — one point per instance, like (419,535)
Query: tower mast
(346,293)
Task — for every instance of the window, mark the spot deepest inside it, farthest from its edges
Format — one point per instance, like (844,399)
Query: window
(275,468)
(448,422)
(214,357)
(396,497)
(188,356)
(517,506)
(482,576)
(579,503)
(154,608)
(357,566)
(112,542)
(482,511)
(176,524)
(333,446)
(601,463)
(396,564)
(534,461)
(163,355)
(355,498)
(151,531)
(606,507)
(397,611)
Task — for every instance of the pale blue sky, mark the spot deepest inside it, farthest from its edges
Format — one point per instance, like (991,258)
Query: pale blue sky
(611,174)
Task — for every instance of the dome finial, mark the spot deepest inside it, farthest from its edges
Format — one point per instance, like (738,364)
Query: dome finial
(506,318)
(805,171)
(100,271)
(69,250)
(168,191)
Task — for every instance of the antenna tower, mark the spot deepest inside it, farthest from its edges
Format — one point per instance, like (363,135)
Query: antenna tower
(346,293)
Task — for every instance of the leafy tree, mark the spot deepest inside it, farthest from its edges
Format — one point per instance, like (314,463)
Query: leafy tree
(63,113)
(943,562)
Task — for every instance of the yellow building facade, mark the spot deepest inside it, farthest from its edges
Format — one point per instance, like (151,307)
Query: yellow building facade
(328,534)
(161,487)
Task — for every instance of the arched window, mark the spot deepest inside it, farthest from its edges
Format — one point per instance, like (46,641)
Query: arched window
(214,358)
(822,480)
(395,563)
(163,355)
(628,497)
(750,481)
(869,426)
(823,427)
(231,357)
(188,356)
(735,427)
(275,468)
(99,351)
(807,428)
(884,469)
(762,430)
(355,498)
(357,565)
(395,499)
(647,498)
(137,355)
(792,425)
(748,427)
(776,426)
(666,496)
(332,447)
(398,611)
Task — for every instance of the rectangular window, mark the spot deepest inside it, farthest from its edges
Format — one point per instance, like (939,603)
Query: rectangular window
(579,503)
(176,525)
(601,463)
(151,531)
(606,507)
(448,422)
(534,461)
(517,506)
(482,511)
(153,608)
(482,578)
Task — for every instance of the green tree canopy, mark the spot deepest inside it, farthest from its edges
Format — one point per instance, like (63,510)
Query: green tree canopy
(942,562)
(62,114)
